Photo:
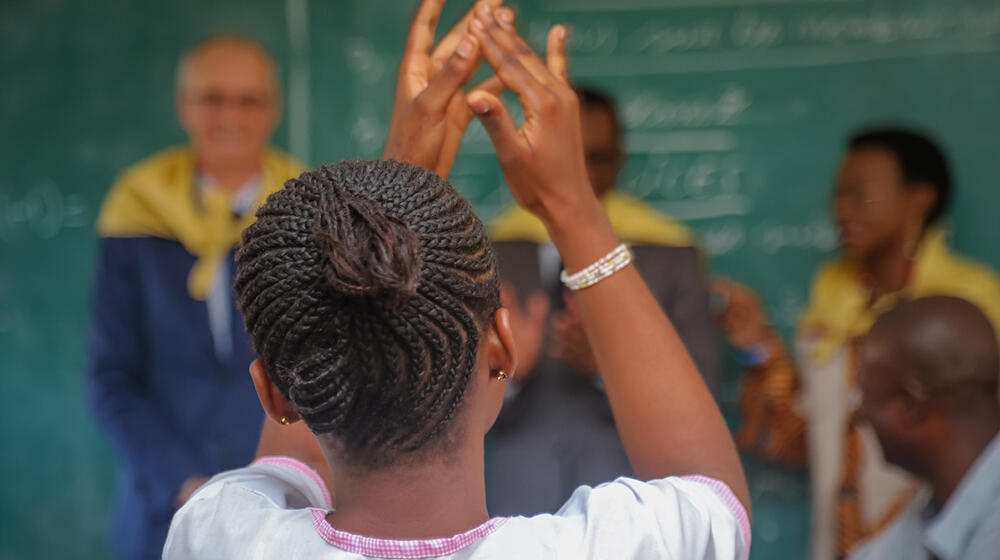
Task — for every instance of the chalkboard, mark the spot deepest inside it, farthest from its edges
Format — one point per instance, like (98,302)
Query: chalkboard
(736,112)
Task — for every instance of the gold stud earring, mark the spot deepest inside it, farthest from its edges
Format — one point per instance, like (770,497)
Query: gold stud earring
(501,375)
(284,421)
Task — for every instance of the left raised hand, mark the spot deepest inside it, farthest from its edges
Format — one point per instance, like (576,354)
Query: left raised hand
(430,114)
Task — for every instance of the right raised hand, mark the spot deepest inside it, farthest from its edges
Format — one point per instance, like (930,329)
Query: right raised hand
(667,419)
(543,161)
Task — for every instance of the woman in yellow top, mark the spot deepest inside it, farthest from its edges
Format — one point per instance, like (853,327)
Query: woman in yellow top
(892,189)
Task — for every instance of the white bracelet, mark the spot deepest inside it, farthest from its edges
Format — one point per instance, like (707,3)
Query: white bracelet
(617,259)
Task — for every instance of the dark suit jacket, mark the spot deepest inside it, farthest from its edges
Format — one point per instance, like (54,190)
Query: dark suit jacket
(557,432)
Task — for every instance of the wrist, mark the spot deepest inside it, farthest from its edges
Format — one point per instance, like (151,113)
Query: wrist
(572,216)
(582,233)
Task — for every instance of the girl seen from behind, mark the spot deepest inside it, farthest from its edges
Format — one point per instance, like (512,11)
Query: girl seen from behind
(370,291)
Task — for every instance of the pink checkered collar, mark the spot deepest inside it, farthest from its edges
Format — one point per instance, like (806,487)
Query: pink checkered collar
(405,549)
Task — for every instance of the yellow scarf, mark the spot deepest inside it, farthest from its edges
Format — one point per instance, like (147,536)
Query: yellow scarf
(632,220)
(157,197)
(839,307)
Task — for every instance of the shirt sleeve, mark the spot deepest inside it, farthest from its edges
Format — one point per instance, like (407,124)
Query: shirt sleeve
(688,517)
(232,510)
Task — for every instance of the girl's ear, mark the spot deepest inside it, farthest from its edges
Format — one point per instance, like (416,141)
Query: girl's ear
(274,403)
(501,352)
(497,347)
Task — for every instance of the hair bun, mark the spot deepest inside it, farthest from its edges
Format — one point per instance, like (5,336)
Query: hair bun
(368,252)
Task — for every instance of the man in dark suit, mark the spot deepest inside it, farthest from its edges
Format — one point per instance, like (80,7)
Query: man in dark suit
(556,431)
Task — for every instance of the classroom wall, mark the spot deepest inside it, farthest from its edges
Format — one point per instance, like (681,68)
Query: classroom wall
(736,111)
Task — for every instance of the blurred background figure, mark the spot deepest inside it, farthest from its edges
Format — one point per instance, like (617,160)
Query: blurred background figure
(928,376)
(168,352)
(556,431)
(892,190)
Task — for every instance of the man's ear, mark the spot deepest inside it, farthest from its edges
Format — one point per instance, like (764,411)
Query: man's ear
(500,349)
(916,398)
(274,403)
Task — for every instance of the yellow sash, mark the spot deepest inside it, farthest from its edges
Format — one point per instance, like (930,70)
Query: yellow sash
(157,197)
(839,307)
(632,220)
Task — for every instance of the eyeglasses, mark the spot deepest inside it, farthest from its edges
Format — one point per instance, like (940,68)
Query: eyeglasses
(216,101)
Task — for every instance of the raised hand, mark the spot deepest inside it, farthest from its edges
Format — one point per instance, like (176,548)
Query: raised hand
(550,138)
(666,417)
(430,113)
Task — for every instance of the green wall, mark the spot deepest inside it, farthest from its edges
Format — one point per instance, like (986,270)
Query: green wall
(736,112)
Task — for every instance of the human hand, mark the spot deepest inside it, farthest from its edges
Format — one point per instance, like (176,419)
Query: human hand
(528,324)
(744,319)
(188,487)
(569,340)
(430,113)
(543,161)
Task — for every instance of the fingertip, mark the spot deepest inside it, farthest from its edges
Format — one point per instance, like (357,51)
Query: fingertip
(478,102)
(484,10)
(505,16)
(467,47)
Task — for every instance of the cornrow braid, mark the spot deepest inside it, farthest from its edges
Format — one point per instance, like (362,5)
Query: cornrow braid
(364,286)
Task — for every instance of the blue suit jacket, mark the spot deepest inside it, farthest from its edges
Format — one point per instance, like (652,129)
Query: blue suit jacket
(169,406)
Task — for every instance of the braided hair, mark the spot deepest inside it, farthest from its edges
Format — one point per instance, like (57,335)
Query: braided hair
(364,286)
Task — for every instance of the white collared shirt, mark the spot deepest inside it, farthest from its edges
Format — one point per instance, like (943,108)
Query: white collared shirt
(277,508)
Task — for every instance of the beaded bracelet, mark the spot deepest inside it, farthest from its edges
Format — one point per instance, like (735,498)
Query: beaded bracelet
(617,259)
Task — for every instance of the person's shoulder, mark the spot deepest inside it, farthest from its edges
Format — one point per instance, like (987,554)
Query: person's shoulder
(954,274)
(517,224)
(267,504)
(638,222)
(683,517)
(898,539)
(131,204)
(967,274)
(149,174)
(985,538)
(162,163)
(834,275)
(283,163)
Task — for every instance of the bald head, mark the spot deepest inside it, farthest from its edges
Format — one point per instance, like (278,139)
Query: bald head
(225,49)
(928,377)
(947,342)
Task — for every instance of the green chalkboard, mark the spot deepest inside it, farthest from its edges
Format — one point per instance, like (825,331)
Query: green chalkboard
(736,111)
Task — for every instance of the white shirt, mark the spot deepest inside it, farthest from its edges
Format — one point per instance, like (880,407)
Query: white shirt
(277,507)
